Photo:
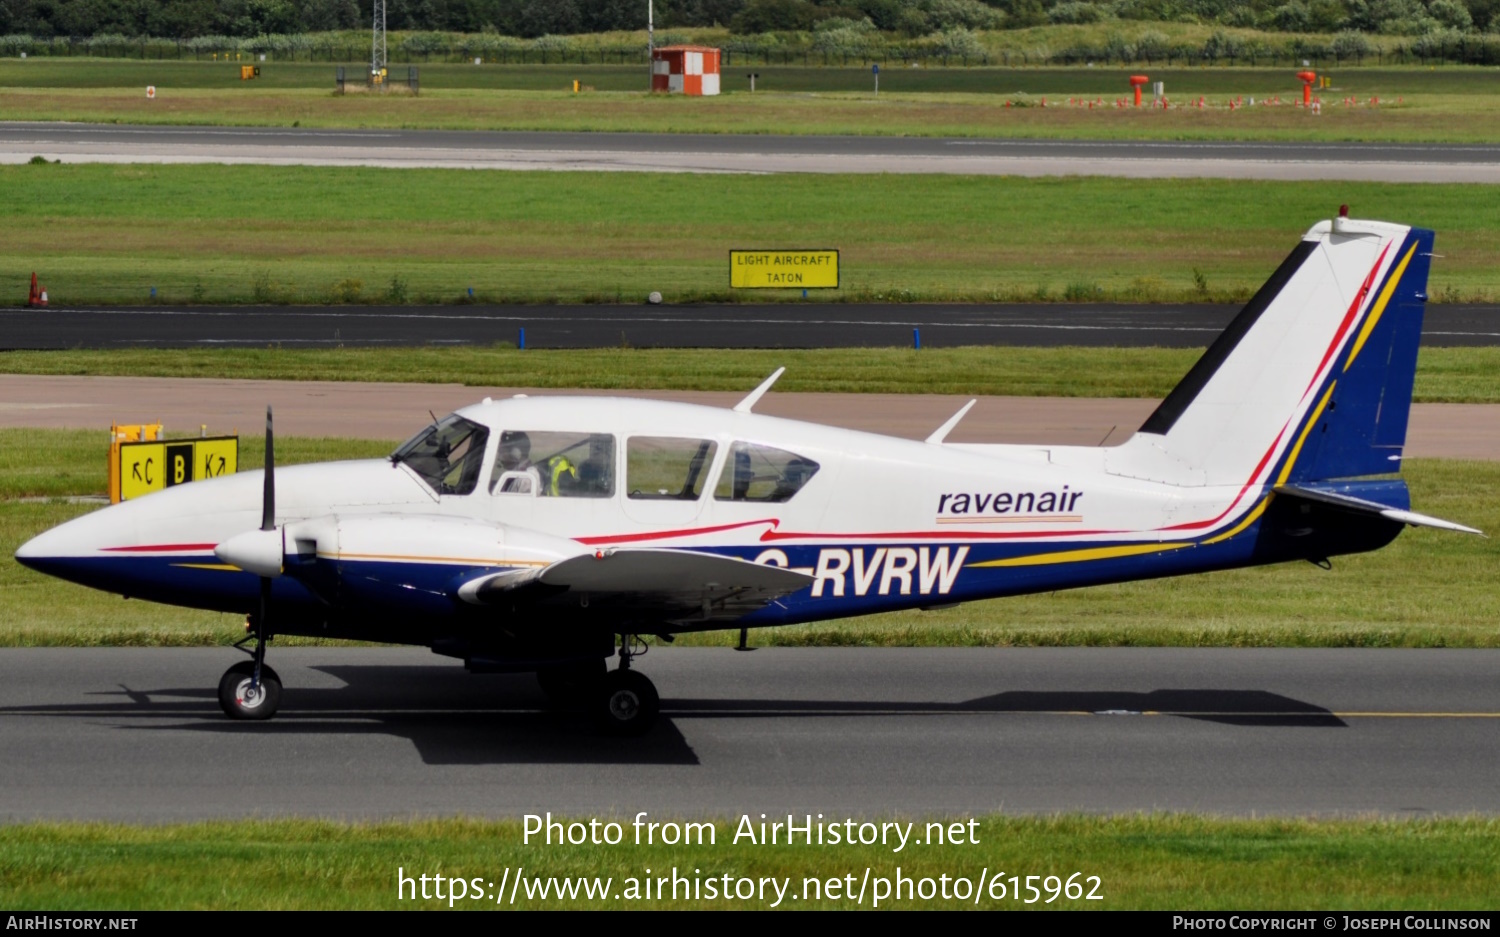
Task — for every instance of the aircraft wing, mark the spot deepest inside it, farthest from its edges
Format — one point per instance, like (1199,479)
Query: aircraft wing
(1362,506)
(655,584)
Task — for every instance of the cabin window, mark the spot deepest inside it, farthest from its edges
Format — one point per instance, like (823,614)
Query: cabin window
(665,468)
(564,465)
(763,473)
(448,455)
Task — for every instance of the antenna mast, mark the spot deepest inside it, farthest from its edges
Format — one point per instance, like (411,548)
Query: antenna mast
(377,46)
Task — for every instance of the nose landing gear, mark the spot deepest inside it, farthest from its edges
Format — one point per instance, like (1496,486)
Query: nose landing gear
(251,689)
(241,697)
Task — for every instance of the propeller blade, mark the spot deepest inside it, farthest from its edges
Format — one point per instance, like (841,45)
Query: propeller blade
(268,499)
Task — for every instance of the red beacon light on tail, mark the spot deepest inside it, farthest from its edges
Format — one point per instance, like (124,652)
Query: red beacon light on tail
(1136,81)
(1341,220)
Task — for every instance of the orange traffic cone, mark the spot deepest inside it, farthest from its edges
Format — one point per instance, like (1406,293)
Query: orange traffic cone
(38,293)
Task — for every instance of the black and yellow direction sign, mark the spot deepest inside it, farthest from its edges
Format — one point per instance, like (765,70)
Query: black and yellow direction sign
(151,466)
(782,270)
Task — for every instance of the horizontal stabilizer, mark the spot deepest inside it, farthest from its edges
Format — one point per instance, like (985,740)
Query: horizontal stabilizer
(663,584)
(1360,505)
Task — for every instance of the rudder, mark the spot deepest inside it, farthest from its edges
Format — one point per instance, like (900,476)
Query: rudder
(1311,381)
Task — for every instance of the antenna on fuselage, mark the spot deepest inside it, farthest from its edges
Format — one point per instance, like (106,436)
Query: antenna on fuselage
(744,405)
(941,433)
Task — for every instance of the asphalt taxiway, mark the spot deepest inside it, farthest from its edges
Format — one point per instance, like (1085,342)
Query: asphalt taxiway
(394,411)
(755,153)
(783,325)
(136,734)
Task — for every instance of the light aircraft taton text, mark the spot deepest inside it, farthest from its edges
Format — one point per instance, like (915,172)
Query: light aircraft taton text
(549,534)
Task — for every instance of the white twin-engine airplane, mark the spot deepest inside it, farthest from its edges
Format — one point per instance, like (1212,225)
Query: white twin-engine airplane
(529,534)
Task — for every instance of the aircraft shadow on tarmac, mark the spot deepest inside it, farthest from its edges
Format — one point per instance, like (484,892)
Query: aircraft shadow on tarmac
(456,719)
(1229,707)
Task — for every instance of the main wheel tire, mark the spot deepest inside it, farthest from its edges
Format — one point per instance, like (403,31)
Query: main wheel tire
(567,687)
(627,704)
(240,701)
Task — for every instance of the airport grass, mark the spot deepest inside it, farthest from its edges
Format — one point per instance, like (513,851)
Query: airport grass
(1444,375)
(1453,105)
(1428,589)
(133,75)
(296,234)
(1148,862)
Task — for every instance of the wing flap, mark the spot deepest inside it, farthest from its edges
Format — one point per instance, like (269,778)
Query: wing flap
(1362,506)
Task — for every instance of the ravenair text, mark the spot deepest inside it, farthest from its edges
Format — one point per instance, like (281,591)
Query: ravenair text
(972,506)
(805,830)
(878,570)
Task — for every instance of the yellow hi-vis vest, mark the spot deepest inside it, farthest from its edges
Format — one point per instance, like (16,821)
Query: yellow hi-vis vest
(556,466)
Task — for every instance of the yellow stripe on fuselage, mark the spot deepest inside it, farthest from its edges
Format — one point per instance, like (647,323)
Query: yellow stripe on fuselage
(1249,519)
(1385,297)
(1291,458)
(1083,556)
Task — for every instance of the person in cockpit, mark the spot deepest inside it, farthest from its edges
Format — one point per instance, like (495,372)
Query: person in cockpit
(515,456)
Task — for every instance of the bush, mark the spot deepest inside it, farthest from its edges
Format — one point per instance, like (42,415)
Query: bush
(764,16)
(1076,12)
(1351,45)
(948,15)
(1222,45)
(551,43)
(1239,16)
(1152,45)
(1117,49)
(1161,11)
(425,44)
(839,36)
(1452,14)
(1292,17)
(958,42)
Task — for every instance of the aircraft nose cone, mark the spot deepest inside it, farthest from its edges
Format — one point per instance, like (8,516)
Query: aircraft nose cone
(36,552)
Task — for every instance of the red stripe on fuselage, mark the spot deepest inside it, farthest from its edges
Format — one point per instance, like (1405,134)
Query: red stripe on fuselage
(667,534)
(1348,318)
(161,548)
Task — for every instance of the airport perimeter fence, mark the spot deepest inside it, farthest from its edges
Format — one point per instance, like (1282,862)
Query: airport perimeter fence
(1221,49)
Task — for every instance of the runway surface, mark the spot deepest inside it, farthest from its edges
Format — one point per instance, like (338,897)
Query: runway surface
(395,411)
(1388,162)
(783,325)
(808,325)
(136,734)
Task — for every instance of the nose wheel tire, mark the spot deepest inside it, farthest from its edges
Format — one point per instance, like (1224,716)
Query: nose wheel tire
(240,700)
(627,704)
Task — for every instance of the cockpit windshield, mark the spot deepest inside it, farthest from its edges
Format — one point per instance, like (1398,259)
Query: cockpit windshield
(449,454)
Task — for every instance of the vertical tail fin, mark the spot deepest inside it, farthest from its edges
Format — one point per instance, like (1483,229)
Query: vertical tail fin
(1311,381)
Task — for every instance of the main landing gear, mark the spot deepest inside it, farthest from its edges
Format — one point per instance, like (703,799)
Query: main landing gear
(623,702)
(250,689)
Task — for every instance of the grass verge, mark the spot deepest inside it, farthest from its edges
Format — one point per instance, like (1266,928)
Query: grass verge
(1416,105)
(1434,588)
(1162,862)
(1444,375)
(297,234)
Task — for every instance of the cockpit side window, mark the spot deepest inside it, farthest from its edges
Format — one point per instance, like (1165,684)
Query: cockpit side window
(664,468)
(754,472)
(448,455)
(566,465)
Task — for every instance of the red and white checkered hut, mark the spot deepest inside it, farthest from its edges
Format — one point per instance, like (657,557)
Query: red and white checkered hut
(685,70)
